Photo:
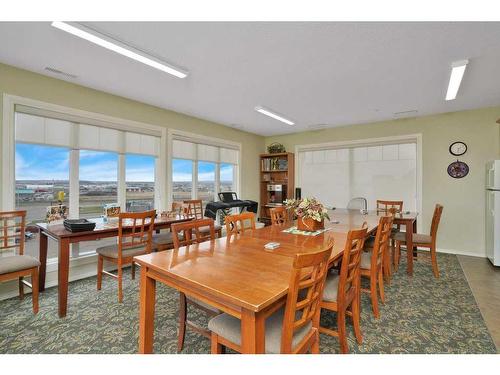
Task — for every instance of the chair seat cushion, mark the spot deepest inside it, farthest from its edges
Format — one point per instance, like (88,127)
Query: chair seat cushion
(331,288)
(16,263)
(229,328)
(166,238)
(206,228)
(417,238)
(111,251)
(366,260)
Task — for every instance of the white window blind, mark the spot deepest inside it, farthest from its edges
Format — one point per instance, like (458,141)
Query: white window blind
(197,151)
(57,132)
(334,176)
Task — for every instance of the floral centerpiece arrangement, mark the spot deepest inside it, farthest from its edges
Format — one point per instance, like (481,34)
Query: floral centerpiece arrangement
(310,213)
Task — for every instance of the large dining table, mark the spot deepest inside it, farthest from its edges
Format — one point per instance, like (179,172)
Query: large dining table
(239,276)
(63,237)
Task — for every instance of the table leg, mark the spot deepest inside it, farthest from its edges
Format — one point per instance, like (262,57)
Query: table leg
(409,248)
(63,276)
(147,312)
(252,332)
(42,256)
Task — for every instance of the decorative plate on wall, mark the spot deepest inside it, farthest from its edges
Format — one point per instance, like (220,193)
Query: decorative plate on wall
(458,148)
(458,169)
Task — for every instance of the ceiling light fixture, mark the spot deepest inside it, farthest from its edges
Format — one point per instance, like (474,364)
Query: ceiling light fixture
(274,115)
(118,47)
(457,73)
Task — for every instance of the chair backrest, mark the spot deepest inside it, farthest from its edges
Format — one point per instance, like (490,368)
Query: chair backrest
(135,229)
(395,206)
(190,227)
(381,241)
(304,294)
(12,227)
(179,207)
(436,217)
(195,208)
(236,223)
(279,215)
(358,203)
(350,276)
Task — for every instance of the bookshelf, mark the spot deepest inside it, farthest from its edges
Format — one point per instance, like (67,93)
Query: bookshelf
(275,169)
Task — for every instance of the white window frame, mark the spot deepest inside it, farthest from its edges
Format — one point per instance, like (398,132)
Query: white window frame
(9,145)
(409,138)
(197,138)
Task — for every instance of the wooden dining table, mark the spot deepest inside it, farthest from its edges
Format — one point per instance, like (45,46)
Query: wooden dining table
(238,275)
(64,238)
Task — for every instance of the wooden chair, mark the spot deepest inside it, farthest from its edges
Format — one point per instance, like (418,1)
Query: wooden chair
(390,207)
(293,329)
(279,215)
(17,266)
(383,205)
(135,232)
(343,291)
(423,240)
(372,261)
(191,234)
(236,223)
(194,207)
(164,241)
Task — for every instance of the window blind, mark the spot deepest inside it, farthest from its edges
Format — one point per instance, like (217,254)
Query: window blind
(374,172)
(197,151)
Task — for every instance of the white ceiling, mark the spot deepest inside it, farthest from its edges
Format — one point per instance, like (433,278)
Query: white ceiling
(314,73)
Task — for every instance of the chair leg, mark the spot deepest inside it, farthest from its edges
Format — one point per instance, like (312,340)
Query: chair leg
(21,288)
(315,345)
(182,323)
(120,283)
(381,287)
(215,347)
(133,270)
(374,296)
(398,255)
(34,289)
(435,269)
(356,313)
(100,265)
(344,348)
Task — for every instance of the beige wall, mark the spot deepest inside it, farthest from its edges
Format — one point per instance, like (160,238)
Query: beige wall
(462,228)
(35,86)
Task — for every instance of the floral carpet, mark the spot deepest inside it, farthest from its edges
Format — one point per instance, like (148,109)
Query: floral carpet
(421,315)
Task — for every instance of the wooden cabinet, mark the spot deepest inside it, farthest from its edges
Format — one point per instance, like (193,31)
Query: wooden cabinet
(277,181)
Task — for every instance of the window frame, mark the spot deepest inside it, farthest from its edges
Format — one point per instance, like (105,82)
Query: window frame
(174,134)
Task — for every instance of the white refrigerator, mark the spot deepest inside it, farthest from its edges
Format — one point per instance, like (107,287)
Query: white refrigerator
(493,212)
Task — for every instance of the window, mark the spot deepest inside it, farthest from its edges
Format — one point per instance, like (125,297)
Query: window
(98,182)
(387,171)
(182,178)
(206,182)
(210,168)
(227,177)
(140,182)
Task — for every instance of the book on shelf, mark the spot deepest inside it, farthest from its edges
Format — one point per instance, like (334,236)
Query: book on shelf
(274,164)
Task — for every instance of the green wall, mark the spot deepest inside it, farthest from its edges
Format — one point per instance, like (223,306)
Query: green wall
(23,83)
(462,223)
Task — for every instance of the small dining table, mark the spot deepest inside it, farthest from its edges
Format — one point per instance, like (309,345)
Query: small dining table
(64,238)
(238,275)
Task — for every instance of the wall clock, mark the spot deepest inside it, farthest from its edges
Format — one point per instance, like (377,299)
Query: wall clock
(458,169)
(458,148)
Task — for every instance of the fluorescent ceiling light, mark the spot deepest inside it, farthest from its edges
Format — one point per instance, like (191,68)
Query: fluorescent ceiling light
(274,115)
(457,73)
(118,47)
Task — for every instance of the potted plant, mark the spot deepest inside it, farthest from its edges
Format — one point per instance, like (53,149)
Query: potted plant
(310,213)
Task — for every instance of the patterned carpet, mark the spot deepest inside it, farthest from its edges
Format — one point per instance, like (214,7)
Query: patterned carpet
(421,315)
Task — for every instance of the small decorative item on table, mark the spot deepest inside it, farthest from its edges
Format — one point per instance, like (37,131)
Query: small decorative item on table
(311,214)
(111,211)
(56,213)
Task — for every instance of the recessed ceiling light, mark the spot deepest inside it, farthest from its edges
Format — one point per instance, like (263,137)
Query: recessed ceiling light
(457,73)
(274,115)
(118,47)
